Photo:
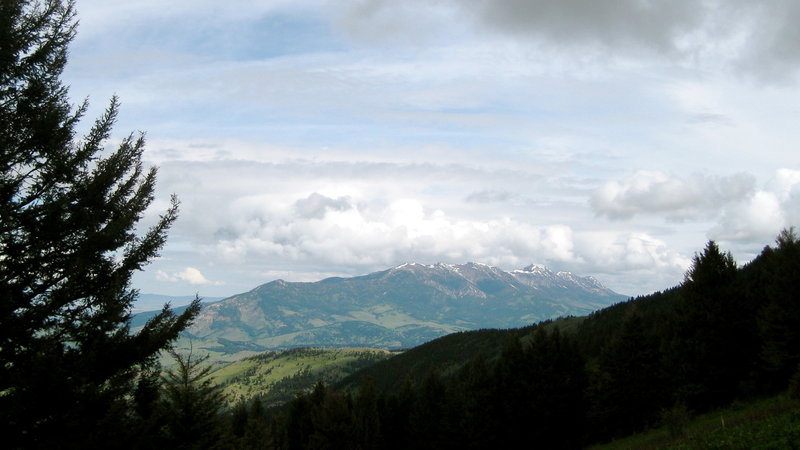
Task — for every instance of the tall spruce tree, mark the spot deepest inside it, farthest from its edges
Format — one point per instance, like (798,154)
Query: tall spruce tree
(711,327)
(192,405)
(69,363)
(779,321)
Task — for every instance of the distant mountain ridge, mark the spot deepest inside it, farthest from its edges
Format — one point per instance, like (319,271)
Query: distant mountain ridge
(402,306)
(152,302)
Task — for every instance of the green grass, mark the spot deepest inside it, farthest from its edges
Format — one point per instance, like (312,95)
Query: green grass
(770,423)
(277,376)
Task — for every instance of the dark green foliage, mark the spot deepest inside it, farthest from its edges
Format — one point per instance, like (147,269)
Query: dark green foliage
(250,426)
(446,355)
(539,391)
(557,410)
(712,332)
(714,346)
(366,421)
(428,423)
(395,417)
(627,386)
(675,419)
(778,321)
(534,392)
(474,406)
(794,384)
(191,404)
(69,365)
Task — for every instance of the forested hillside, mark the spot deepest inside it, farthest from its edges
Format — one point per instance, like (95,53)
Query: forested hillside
(724,334)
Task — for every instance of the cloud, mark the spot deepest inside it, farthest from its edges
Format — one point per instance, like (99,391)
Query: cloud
(755,38)
(614,251)
(315,206)
(787,188)
(614,24)
(489,196)
(189,275)
(772,50)
(332,217)
(378,235)
(739,211)
(651,192)
(761,216)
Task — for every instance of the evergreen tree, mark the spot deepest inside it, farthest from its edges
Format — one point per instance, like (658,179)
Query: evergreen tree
(192,405)
(556,384)
(627,386)
(477,410)
(427,420)
(299,423)
(396,417)
(366,419)
(256,434)
(779,322)
(239,418)
(712,332)
(68,248)
(512,394)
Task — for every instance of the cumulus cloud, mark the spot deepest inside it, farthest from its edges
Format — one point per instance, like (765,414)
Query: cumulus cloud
(383,233)
(315,206)
(740,211)
(622,259)
(761,216)
(652,192)
(351,218)
(189,275)
(404,230)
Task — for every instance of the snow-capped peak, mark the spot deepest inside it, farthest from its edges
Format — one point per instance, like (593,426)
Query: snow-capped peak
(534,268)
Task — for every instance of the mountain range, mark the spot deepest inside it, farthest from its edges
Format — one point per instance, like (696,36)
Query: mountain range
(400,307)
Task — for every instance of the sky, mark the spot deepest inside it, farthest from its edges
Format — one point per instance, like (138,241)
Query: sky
(316,138)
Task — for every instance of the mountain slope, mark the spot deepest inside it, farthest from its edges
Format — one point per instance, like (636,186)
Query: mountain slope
(276,377)
(400,307)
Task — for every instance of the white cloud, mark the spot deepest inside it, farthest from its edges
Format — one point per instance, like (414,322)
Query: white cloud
(788,193)
(758,218)
(761,216)
(740,211)
(376,236)
(651,192)
(787,184)
(621,259)
(189,275)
